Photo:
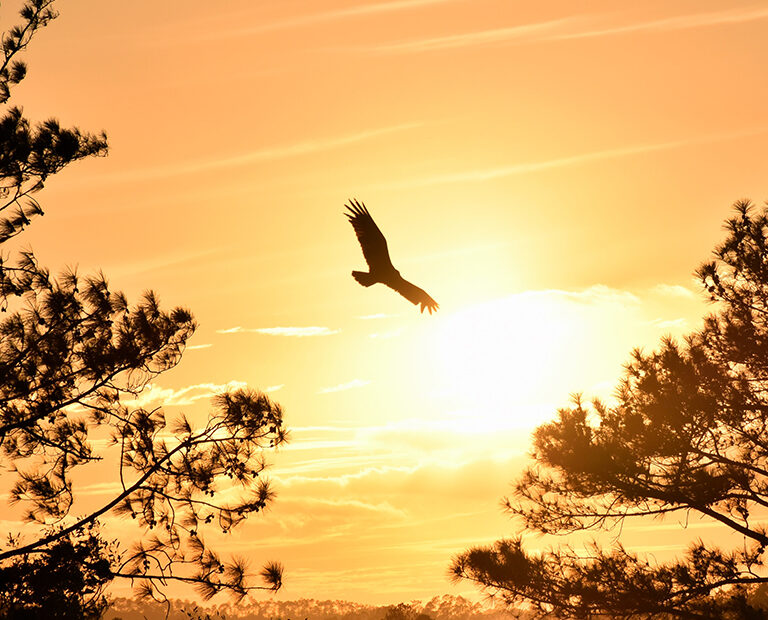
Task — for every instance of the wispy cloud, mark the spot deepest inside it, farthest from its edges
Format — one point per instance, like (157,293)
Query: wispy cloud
(303,148)
(314,504)
(510,34)
(306,147)
(572,27)
(486,174)
(167,261)
(274,388)
(380,315)
(355,383)
(297,332)
(100,488)
(680,22)
(596,294)
(194,347)
(231,330)
(363,10)
(669,323)
(181,397)
(345,478)
(323,445)
(674,290)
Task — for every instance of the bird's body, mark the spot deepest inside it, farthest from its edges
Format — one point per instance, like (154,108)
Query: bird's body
(380,267)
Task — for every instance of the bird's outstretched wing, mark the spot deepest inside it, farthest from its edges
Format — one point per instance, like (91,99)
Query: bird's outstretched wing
(414,294)
(371,239)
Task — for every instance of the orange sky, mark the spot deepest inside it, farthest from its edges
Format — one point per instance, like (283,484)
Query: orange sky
(550,172)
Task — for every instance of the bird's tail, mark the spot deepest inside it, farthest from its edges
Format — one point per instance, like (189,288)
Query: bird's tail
(363,277)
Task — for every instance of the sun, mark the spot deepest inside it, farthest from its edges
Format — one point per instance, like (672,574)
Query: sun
(512,362)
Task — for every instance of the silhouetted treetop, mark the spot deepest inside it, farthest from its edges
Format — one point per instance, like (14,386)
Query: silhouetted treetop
(31,152)
(35,14)
(687,434)
(74,355)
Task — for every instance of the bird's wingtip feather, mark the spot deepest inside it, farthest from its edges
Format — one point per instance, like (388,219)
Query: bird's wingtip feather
(357,208)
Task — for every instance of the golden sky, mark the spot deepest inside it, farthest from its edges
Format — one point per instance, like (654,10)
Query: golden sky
(550,172)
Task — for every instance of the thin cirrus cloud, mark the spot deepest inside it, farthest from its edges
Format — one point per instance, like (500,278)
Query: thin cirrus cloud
(674,290)
(509,34)
(295,332)
(306,147)
(485,174)
(181,397)
(681,22)
(573,27)
(379,315)
(316,505)
(363,10)
(355,383)
(596,295)
(669,323)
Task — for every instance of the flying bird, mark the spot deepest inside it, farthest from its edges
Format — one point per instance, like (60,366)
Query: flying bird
(380,268)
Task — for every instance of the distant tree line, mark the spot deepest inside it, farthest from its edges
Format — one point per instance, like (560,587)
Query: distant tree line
(438,608)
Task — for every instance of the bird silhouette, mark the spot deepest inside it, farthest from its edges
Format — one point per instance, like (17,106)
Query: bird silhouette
(380,268)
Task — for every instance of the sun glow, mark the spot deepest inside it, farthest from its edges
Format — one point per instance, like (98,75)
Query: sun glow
(502,352)
(512,362)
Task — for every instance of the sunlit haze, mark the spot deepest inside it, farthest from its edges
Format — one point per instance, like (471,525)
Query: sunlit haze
(552,173)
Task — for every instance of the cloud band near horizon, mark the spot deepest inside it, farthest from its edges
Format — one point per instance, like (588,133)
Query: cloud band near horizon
(296,332)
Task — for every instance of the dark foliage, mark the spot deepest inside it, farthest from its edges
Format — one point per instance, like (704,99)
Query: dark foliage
(35,14)
(72,354)
(64,580)
(403,611)
(688,436)
(30,152)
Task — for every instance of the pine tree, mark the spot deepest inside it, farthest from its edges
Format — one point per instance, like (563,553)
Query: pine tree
(688,436)
(72,355)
